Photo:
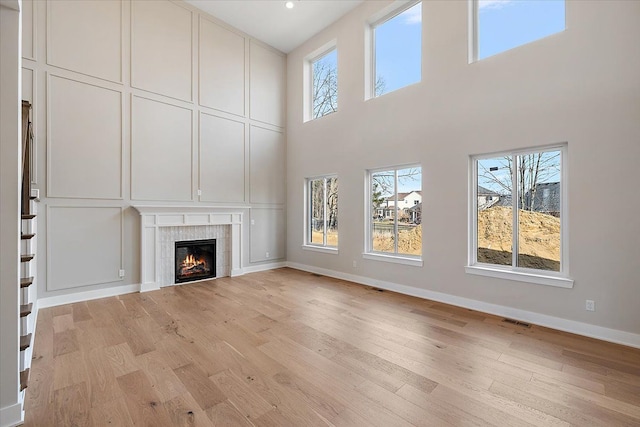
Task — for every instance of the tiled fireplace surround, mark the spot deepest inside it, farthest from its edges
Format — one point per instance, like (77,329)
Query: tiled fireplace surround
(162,226)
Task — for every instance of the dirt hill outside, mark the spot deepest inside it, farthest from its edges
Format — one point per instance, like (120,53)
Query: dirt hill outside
(539,238)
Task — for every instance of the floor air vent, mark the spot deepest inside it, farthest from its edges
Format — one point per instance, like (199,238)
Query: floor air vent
(517,322)
(316,274)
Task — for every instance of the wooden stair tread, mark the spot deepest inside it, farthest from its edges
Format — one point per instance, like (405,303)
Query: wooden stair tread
(33,197)
(26,257)
(28,216)
(24,379)
(25,309)
(26,281)
(25,342)
(27,236)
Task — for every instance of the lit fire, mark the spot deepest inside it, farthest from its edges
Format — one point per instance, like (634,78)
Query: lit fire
(192,265)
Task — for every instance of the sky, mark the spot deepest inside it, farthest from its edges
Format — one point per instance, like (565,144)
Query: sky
(503,25)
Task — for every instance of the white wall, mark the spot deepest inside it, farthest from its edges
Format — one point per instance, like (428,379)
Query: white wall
(579,86)
(145,102)
(10,173)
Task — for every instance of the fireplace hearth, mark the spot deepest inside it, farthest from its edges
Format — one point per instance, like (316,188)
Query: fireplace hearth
(195,260)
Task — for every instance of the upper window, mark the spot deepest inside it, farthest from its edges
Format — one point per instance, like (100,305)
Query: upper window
(322,212)
(504,24)
(519,217)
(395,216)
(397,50)
(324,84)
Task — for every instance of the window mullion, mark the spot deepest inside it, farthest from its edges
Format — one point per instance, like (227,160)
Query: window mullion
(514,196)
(324,212)
(395,217)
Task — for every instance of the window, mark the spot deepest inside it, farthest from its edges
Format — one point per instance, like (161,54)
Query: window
(519,218)
(396,50)
(500,25)
(395,206)
(322,212)
(324,84)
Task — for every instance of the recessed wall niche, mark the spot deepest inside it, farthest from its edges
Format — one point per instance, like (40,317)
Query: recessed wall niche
(161,54)
(221,177)
(222,68)
(84,146)
(93,28)
(161,151)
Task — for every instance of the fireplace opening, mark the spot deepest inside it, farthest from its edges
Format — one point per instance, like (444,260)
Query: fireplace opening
(195,260)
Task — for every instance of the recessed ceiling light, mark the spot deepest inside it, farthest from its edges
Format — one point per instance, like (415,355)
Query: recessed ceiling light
(288,4)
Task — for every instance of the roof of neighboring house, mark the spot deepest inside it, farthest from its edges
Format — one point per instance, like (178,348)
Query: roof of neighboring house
(402,196)
(486,192)
(417,207)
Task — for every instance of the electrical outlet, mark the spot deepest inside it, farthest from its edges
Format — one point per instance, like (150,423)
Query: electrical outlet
(199,192)
(267,254)
(590,305)
(121,273)
(253,222)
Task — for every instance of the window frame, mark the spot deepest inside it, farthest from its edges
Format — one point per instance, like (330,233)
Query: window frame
(377,20)
(369,253)
(307,244)
(474,26)
(308,62)
(513,272)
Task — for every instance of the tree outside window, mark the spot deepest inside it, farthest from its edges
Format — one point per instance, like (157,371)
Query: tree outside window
(322,211)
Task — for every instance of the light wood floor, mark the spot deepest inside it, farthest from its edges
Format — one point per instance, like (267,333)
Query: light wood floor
(287,348)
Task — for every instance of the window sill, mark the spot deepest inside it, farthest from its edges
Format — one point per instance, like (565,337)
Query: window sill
(396,259)
(323,249)
(539,279)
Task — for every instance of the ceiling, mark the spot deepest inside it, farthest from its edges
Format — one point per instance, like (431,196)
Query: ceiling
(271,22)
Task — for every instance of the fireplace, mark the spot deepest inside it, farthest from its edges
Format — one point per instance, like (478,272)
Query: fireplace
(195,260)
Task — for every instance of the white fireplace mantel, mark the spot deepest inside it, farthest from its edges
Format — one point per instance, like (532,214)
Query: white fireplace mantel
(153,218)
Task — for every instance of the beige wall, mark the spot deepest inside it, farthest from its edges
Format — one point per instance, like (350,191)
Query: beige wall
(579,86)
(146,102)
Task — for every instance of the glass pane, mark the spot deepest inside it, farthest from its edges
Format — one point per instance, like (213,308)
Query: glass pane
(383,201)
(398,51)
(539,210)
(316,211)
(495,211)
(325,84)
(503,25)
(332,211)
(410,211)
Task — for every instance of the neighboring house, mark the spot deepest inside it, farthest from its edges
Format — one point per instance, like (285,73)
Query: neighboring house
(546,198)
(415,214)
(486,198)
(405,201)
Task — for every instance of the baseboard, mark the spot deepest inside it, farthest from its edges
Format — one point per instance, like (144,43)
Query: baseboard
(263,267)
(592,331)
(86,296)
(11,416)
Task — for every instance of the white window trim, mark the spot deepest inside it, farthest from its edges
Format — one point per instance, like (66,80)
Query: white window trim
(306,244)
(473,33)
(551,278)
(307,77)
(369,253)
(379,18)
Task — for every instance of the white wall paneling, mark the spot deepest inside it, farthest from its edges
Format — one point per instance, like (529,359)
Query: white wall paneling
(29,25)
(161,48)
(84,246)
(268,229)
(267,85)
(267,154)
(85,140)
(221,176)
(222,68)
(86,37)
(161,151)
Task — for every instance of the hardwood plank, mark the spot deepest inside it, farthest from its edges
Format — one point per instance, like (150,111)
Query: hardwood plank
(25,282)
(25,309)
(286,348)
(26,257)
(25,342)
(24,379)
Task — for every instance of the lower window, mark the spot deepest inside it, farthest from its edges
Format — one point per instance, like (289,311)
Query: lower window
(322,212)
(518,207)
(395,220)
